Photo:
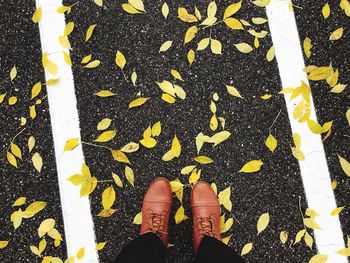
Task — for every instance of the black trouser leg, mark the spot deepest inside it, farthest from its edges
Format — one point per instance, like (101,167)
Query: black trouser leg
(145,248)
(212,250)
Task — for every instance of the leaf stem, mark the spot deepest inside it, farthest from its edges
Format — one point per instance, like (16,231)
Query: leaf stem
(11,141)
(96,145)
(274,121)
(124,76)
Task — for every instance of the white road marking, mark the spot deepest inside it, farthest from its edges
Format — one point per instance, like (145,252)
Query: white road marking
(78,223)
(314,169)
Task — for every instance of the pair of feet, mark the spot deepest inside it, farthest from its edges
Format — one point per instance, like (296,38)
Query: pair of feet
(156,210)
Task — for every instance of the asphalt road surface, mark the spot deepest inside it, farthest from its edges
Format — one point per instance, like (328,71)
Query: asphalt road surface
(277,188)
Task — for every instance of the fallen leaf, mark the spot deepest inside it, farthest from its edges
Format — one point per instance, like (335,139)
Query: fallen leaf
(120,60)
(138,219)
(271,142)
(251,166)
(176,147)
(81,252)
(3,244)
(129,174)
(37,161)
(319,258)
(105,93)
(148,142)
(216,46)
(165,10)
(89,32)
(106,136)
(137,102)
(246,249)
(104,124)
(307,47)
(337,34)
(13,73)
(20,201)
(233,23)
(71,144)
(233,91)
(270,55)
(100,246)
(37,15)
(263,222)
(119,156)
(326,11)
(203,159)
(165,46)
(190,34)
(283,237)
(244,47)
(345,165)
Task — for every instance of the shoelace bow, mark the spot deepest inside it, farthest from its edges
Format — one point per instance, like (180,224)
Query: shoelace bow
(156,224)
(206,226)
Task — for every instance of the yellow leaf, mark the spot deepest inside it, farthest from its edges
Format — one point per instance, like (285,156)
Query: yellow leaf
(13,73)
(225,240)
(20,201)
(298,154)
(185,16)
(333,79)
(35,250)
(16,150)
(67,58)
(176,147)
(37,15)
(138,4)
(12,100)
(270,55)
(46,226)
(203,159)
(34,208)
(347,115)
(68,29)
(326,11)
(314,126)
(49,65)
(104,124)
(37,161)
(187,169)
(105,93)
(319,258)
(191,55)
(99,2)
(129,174)
(71,144)
(138,219)
(108,197)
(194,177)
(3,244)
(227,225)
(134,77)
(93,64)
(309,241)
(266,96)
(263,222)
(310,222)
(100,246)
(168,156)
(148,142)
(106,136)
(36,90)
(215,46)
(190,34)
(137,102)
(261,3)
(338,88)
(32,112)
(64,42)
(244,47)
(271,142)
(259,20)
(345,165)
(156,129)
(2,97)
(320,73)
(120,60)
(176,185)
(219,137)
(233,23)
(52,82)
(203,43)
(307,47)
(168,98)
(233,91)
(119,156)
(11,159)
(176,74)
(86,59)
(232,9)
(179,92)
(165,10)
(165,46)
(80,253)
(344,252)
(117,180)
(63,9)
(337,34)
(251,166)
(224,198)
(89,32)
(130,147)
(130,9)
(283,237)
(246,249)
(180,215)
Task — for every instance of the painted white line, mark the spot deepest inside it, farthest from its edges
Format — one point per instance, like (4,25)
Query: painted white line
(314,169)
(78,223)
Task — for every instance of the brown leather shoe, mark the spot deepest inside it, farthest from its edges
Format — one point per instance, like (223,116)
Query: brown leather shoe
(205,212)
(156,208)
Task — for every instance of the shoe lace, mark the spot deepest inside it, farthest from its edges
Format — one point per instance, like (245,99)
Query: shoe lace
(156,224)
(206,226)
